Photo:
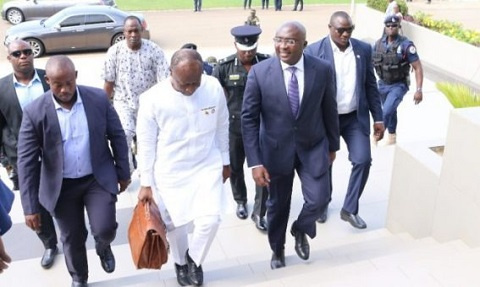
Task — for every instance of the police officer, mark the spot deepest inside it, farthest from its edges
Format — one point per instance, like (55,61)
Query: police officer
(393,55)
(232,74)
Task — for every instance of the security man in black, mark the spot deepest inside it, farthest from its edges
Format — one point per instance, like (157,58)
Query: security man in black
(232,74)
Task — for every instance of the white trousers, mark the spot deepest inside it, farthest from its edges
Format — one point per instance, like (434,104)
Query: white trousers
(204,231)
(128,119)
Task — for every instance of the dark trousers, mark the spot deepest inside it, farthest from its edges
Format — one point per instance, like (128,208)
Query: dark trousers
(77,195)
(237,177)
(278,5)
(245,2)
(359,154)
(315,192)
(296,5)
(47,233)
(197,5)
(264,4)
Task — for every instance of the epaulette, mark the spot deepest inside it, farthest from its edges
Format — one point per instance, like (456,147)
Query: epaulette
(227,59)
(265,56)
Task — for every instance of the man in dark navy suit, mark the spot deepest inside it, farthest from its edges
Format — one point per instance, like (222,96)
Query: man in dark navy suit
(357,97)
(79,137)
(290,124)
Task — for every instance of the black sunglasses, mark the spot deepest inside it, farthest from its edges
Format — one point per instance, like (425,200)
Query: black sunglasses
(340,31)
(17,54)
(391,25)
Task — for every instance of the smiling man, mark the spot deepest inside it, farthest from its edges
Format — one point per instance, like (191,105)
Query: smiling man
(290,124)
(357,98)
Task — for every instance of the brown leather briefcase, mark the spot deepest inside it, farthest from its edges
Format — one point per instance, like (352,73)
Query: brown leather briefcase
(147,237)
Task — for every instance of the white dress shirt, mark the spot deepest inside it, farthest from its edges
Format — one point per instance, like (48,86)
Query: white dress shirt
(75,138)
(346,78)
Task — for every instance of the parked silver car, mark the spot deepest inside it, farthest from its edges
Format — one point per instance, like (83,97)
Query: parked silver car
(17,11)
(76,28)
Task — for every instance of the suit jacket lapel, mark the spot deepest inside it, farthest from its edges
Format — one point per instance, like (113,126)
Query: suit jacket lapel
(358,67)
(53,128)
(11,94)
(88,111)
(309,76)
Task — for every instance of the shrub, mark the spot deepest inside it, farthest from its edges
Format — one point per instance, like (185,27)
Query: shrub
(451,29)
(460,96)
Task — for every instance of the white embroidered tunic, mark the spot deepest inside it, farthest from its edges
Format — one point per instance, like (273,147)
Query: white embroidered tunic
(183,146)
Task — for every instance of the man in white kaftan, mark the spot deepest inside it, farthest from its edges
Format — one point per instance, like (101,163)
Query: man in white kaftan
(131,67)
(183,157)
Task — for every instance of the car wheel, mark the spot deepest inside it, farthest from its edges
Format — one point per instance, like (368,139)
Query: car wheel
(117,38)
(15,16)
(37,47)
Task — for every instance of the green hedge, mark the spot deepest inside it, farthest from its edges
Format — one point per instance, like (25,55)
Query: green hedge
(448,28)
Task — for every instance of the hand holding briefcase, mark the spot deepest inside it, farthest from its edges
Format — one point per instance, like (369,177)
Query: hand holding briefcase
(147,236)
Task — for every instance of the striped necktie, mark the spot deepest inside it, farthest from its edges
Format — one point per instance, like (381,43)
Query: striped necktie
(293,96)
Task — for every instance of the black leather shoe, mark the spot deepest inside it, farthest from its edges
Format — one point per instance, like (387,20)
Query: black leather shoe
(195,273)
(278,260)
(324,216)
(242,211)
(182,274)
(301,243)
(48,257)
(79,284)
(107,260)
(354,219)
(260,222)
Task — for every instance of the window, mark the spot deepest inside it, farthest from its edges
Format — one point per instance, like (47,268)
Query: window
(73,21)
(98,19)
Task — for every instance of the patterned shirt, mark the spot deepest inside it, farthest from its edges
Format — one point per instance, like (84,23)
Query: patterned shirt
(134,71)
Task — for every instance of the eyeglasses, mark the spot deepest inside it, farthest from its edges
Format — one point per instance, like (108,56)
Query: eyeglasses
(17,54)
(286,41)
(340,31)
(391,25)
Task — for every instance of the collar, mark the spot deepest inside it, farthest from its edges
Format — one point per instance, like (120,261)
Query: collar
(335,47)
(58,106)
(299,65)
(35,78)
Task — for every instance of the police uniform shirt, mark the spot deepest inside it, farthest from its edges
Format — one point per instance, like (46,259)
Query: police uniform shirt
(233,78)
(405,48)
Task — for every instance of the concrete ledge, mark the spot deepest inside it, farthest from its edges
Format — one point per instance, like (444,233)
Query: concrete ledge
(439,196)
(444,57)
(414,186)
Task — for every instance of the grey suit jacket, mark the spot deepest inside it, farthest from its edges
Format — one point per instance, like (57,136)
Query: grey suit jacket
(272,136)
(368,97)
(40,137)
(11,115)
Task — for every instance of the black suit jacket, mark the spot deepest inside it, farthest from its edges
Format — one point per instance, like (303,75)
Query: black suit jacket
(11,115)
(368,97)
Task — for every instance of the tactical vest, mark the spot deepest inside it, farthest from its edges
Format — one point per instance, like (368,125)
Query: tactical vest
(389,67)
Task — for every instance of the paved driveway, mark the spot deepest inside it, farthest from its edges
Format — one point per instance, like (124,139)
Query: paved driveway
(210,30)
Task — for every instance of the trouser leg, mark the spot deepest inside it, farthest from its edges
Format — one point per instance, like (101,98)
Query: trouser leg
(47,233)
(260,205)
(237,175)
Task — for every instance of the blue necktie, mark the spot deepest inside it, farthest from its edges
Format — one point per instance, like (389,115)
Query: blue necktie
(293,96)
